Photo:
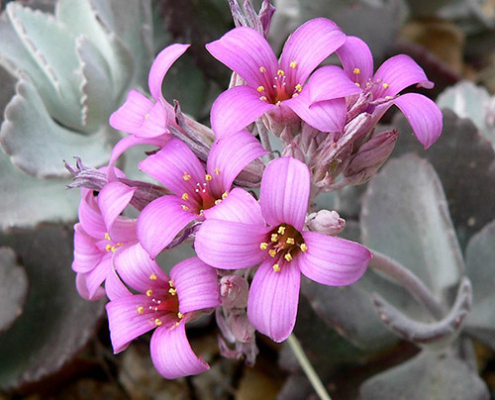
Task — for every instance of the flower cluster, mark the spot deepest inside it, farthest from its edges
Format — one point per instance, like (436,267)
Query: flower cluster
(252,245)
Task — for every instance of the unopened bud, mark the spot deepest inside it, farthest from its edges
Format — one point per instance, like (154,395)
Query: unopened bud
(370,157)
(241,328)
(293,150)
(325,222)
(234,292)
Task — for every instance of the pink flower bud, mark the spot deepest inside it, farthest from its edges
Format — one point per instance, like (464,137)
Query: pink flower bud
(241,328)
(326,222)
(233,291)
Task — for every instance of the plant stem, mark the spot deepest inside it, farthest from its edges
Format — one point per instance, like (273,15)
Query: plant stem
(409,281)
(308,368)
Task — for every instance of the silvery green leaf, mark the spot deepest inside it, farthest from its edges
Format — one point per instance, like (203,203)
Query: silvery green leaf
(480,265)
(57,59)
(474,102)
(405,216)
(42,154)
(13,288)
(428,376)
(56,323)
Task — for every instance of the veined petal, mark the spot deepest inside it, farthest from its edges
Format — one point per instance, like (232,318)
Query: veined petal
(229,156)
(397,73)
(246,52)
(175,166)
(90,216)
(235,109)
(238,206)
(308,46)
(86,253)
(284,192)
(332,261)
(155,123)
(123,231)
(230,245)
(357,60)
(326,116)
(98,274)
(138,270)
(160,221)
(424,116)
(125,321)
(160,67)
(330,82)
(130,116)
(196,284)
(172,355)
(114,287)
(82,288)
(113,199)
(273,299)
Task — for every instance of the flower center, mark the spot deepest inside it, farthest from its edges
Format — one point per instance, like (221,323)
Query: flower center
(284,243)
(200,198)
(111,245)
(280,88)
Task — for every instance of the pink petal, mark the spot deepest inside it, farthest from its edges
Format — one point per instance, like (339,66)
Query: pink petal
(90,216)
(230,245)
(97,275)
(138,270)
(86,253)
(155,123)
(330,82)
(113,199)
(284,192)
(114,287)
(123,230)
(326,116)
(160,221)
(160,67)
(245,51)
(125,322)
(398,73)
(172,355)
(235,109)
(332,261)
(273,299)
(176,167)
(308,46)
(229,156)
(130,116)
(238,206)
(357,60)
(196,284)
(82,288)
(424,116)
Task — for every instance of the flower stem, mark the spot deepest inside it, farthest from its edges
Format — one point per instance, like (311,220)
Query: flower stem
(308,368)
(409,281)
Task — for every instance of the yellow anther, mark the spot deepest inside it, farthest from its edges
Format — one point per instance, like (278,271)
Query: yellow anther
(290,241)
(218,201)
(140,309)
(180,315)
(186,176)
(149,292)
(288,257)
(388,97)
(298,87)
(107,236)
(280,72)
(263,98)
(185,197)
(208,177)
(108,247)
(263,246)
(385,85)
(158,322)
(224,195)
(153,277)
(356,71)
(171,283)
(276,267)
(113,249)
(260,88)
(146,116)
(274,237)
(357,84)
(281,230)
(172,291)
(272,252)
(278,103)
(304,247)
(217,171)
(262,69)
(293,64)
(295,95)
(185,208)
(201,213)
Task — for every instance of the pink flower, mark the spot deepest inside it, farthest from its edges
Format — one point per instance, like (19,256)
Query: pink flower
(164,303)
(383,87)
(195,190)
(243,233)
(280,88)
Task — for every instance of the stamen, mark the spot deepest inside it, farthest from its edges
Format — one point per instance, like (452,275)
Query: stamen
(158,322)
(208,177)
(171,283)
(385,85)
(224,195)
(146,116)
(357,84)
(218,201)
(290,241)
(185,208)
(186,176)
(356,71)
(280,72)
(153,277)
(288,257)
(263,98)
(298,87)
(278,103)
(108,247)
(149,292)
(274,237)
(272,252)
(260,88)
(262,70)
(263,246)
(281,230)
(295,95)
(172,291)
(140,309)
(217,171)
(293,64)
(276,267)
(185,197)
(303,247)
(107,236)
(180,315)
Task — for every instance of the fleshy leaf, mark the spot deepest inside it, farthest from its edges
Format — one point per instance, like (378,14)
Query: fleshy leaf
(42,154)
(405,217)
(13,288)
(56,322)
